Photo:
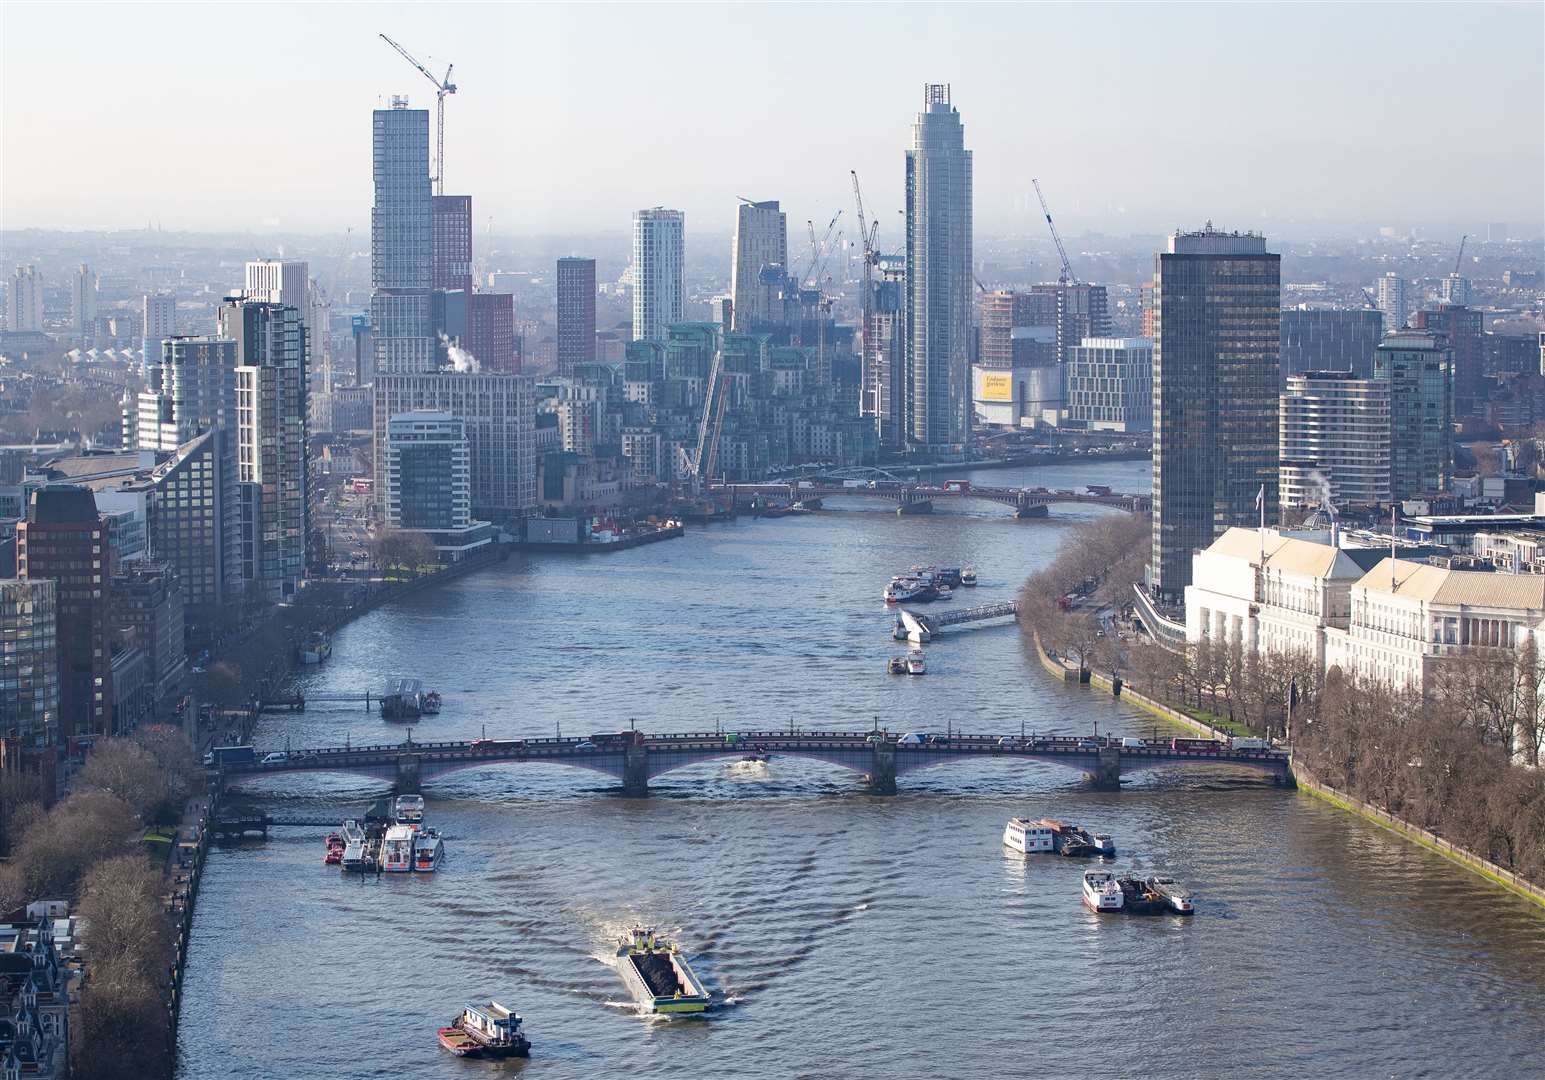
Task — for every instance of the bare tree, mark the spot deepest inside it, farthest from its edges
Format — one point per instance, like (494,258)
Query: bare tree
(124,768)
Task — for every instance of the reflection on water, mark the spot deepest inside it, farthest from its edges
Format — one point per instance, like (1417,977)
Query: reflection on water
(845,935)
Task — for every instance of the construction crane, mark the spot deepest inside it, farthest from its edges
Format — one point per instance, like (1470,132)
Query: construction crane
(1460,258)
(1067,277)
(1368,296)
(816,249)
(866,235)
(442,87)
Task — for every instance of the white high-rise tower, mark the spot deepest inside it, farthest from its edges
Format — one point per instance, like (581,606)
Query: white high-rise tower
(659,286)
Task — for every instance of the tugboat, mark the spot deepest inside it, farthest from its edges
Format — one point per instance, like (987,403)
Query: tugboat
(897,665)
(335,847)
(1176,896)
(661,979)
(485,1031)
(1101,892)
(431,703)
(968,577)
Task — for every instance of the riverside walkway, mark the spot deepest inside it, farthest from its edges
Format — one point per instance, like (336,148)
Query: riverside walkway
(635,758)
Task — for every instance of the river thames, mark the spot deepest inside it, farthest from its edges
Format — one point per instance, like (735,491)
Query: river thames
(845,935)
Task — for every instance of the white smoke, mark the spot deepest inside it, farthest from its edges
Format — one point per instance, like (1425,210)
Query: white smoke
(461,360)
(1322,486)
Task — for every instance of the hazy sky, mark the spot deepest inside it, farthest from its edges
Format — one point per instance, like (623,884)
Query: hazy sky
(1135,117)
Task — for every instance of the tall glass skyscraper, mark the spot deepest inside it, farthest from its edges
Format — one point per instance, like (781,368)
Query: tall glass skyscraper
(1218,332)
(659,285)
(1418,368)
(938,279)
(401,241)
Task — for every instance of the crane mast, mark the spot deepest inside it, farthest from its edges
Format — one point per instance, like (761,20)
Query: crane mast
(442,87)
(866,291)
(1067,277)
(1460,258)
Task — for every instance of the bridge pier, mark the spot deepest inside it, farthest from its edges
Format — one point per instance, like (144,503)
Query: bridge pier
(635,772)
(1107,776)
(407,782)
(882,774)
(916,506)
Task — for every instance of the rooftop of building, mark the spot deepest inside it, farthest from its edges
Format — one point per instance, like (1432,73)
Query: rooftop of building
(1440,585)
(1286,553)
(1212,241)
(62,505)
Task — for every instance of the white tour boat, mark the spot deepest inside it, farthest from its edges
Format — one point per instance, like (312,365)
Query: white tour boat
(428,850)
(353,845)
(409,809)
(1028,837)
(915,665)
(1101,891)
(397,849)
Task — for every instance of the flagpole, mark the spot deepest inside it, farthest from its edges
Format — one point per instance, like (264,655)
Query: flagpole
(1392,546)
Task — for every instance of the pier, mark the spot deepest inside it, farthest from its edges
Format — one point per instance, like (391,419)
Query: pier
(635,758)
(917,627)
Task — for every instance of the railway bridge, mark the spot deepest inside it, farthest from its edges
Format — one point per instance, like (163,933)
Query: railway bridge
(635,758)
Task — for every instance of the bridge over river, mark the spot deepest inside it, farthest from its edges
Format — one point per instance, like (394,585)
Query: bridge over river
(635,758)
(918,498)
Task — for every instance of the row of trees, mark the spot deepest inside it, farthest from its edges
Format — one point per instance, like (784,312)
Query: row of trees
(88,849)
(1444,759)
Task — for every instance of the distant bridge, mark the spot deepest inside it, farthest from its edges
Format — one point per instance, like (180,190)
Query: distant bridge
(635,758)
(918,627)
(918,498)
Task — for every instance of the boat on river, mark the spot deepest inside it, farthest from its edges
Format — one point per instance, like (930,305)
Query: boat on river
(1138,898)
(658,975)
(397,849)
(1079,843)
(491,1031)
(915,664)
(409,809)
(897,665)
(968,577)
(354,841)
(315,648)
(1101,892)
(1029,837)
(1176,896)
(428,851)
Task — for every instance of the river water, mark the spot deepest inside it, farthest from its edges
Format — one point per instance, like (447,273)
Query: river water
(846,935)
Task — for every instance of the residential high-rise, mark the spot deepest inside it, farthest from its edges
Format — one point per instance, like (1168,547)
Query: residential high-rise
(29,662)
(1108,385)
(83,301)
(194,520)
(190,394)
(659,283)
(284,281)
(576,313)
(1334,441)
(401,229)
(1417,365)
(1392,300)
(491,332)
(1464,329)
(761,241)
(1330,341)
(189,390)
(147,601)
(1455,289)
(64,540)
(938,279)
(429,481)
(1083,311)
(271,418)
(882,396)
(996,345)
(24,300)
(499,413)
(158,321)
(1217,312)
(451,247)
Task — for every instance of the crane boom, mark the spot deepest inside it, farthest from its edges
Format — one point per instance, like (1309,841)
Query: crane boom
(442,87)
(866,288)
(1067,276)
(1460,258)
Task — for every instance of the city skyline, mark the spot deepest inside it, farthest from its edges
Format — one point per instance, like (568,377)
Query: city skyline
(1260,159)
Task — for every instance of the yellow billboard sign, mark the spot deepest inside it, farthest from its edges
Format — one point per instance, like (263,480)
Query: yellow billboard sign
(997,386)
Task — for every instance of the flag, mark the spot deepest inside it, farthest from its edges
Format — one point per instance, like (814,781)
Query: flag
(1260,498)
